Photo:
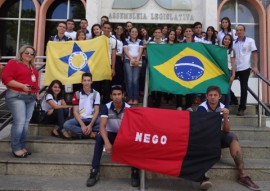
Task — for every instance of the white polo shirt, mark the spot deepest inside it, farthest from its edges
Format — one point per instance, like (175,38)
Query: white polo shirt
(243,51)
(119,46)
(114,118)
(44,104)
(86,103)
(112,46)
(133,47)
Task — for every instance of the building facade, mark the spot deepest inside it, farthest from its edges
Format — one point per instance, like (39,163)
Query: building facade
(33,21)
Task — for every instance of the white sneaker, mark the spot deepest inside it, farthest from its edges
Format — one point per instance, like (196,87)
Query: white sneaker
(205,184)
(179,108)
(189,109)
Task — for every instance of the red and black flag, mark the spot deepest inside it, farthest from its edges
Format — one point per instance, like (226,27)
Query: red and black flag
(176,143)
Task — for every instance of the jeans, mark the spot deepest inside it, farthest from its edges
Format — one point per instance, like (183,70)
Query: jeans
(243,78)
(73,126)
(99,148)
(57,117)
(21,107)
(132,76)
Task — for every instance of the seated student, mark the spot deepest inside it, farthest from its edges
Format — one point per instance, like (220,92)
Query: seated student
(85,110)
(110,120)
(228,139)
(54,105)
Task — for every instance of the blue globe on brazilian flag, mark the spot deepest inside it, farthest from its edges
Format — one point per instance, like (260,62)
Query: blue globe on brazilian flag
(187,68)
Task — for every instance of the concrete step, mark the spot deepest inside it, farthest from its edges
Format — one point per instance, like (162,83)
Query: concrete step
(39,164)
(47,144)
(251,133)
(48,183)
(251,150)
(247,120)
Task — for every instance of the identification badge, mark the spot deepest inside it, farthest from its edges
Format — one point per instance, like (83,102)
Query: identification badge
(33,78)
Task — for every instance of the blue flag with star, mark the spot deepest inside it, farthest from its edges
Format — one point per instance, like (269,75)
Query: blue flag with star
(187,68)
(67,61)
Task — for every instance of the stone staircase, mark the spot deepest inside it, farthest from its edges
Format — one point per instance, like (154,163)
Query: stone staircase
(58,164)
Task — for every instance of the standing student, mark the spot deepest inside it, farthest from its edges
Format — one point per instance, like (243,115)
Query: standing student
(70,29)
(119,78)
(227,42)
(210,37)
(80,35)
(189,97)
(110,121)
(128,26)
(133,48)
(246,58)
(144,36)
(179,33)
(197,32)
(60,36)
(103,19)
(104,86)
(21,79)
(226,28)
(96,30)
(83,27)
(157,95)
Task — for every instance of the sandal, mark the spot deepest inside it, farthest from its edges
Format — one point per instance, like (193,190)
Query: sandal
(27,152)
(24,155)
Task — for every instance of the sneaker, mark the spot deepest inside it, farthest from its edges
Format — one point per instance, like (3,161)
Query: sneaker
(246,181)
(240,113)
(205,183)
(93,178)
(189,109)
(135,177)
(179,108)
(66,135)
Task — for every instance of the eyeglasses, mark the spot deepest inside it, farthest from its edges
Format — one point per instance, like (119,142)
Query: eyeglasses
(28,53)
(118,28)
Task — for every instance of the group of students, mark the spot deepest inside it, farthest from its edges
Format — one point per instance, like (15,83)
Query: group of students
(87,123)
(128,55)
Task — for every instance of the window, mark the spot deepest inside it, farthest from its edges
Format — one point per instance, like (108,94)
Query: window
(18,19)
(243,12)
(61,10)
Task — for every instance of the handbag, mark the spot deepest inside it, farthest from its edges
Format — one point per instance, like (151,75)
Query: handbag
(38,114)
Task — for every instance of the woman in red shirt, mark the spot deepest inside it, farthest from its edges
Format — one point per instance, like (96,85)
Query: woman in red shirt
(21,79)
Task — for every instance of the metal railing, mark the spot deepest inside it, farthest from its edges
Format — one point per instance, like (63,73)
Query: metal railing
(40,65)
(259,97)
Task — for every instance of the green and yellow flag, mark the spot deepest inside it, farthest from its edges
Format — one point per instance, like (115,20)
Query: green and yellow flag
(187,68)
(67,61)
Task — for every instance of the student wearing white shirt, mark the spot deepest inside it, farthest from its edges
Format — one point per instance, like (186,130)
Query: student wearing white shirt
(246,60)
(118,79)
(70,29)
(226,28)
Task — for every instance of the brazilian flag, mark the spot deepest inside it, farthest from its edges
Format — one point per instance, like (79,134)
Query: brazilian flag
(187,68)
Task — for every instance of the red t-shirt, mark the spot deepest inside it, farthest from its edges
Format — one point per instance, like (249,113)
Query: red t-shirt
(19,72)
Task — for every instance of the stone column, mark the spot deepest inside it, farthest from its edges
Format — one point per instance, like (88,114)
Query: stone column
(210,14)
(93,12)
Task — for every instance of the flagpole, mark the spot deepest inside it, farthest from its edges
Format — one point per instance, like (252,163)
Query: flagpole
(145,102)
